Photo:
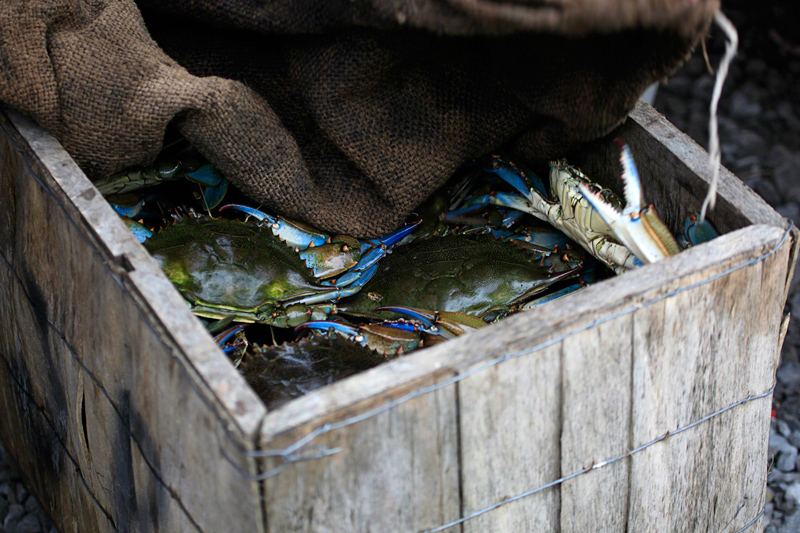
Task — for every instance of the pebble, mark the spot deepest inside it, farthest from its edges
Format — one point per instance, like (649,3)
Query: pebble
(787,460)
(793,491)
(29,524)
(743,108)
(15,513)
(31,504)
(791,524)
(789,373)
(776,477)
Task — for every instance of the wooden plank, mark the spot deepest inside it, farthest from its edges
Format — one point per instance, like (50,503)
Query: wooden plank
(151,410)
(695,353)
(596,413)
(397,471)
(510,421)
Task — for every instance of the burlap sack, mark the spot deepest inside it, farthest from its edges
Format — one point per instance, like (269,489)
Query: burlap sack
(343,113)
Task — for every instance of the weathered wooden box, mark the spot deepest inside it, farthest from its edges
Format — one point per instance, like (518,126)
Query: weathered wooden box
(123,415)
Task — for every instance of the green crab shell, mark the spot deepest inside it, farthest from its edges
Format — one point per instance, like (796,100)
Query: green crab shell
(461,273)
(225,267)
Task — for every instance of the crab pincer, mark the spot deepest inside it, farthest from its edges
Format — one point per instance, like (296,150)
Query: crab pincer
(639,229)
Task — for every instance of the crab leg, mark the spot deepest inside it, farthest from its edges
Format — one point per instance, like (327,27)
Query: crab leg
(383,338)
(294,234)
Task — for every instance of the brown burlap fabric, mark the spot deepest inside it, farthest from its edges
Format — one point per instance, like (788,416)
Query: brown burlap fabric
(344,113)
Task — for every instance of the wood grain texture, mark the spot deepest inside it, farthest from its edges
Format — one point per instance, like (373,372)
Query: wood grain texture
(712,477)
(502,456)
(510,420)
(596,411)
(397,471)
(147,410)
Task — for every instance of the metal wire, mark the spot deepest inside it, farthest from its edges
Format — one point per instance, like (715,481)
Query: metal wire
(602,464)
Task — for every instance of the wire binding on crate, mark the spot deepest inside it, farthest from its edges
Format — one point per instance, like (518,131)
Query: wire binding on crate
(596,466)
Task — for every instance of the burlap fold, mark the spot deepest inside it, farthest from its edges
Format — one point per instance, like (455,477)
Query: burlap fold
(343,113)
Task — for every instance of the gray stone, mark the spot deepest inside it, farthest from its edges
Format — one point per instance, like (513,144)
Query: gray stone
(22,493)
(793,491)
(789,372)
(743,107)
(790,211)
(768,191)
(786,113)
(786,168)
(778,476)
(783,428)
(786,460)
(779,444)
(15,513)
(29,524)
(31,504)
(794,438)
(791,524)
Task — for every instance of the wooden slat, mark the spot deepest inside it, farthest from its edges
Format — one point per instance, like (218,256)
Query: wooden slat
(147,406)
(397,471)
(510,420)
(596,411)
(519,334)
(712,477)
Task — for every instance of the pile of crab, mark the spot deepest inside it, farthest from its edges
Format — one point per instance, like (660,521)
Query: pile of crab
(295,308)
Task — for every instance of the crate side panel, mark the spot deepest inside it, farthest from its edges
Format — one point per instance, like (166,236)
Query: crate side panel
(596,426)
(104,347)
(695,353)
(510,421)
(37,429)
(41,405)
(397,471)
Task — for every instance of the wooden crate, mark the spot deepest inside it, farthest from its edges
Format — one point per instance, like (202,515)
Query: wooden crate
(122,414)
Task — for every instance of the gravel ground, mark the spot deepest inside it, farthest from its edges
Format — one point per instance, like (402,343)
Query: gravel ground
(759,124)
(19,510)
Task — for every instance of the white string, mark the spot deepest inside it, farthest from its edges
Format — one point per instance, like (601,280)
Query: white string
(713,124)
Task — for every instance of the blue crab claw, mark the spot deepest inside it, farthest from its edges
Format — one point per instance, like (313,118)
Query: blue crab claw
(515,176)
(376,249)
(586,278)
(383,338)
(445,323)
(640,230)
(294,234)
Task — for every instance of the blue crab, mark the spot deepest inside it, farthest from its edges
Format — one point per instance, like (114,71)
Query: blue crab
(621,235)
(227,267)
